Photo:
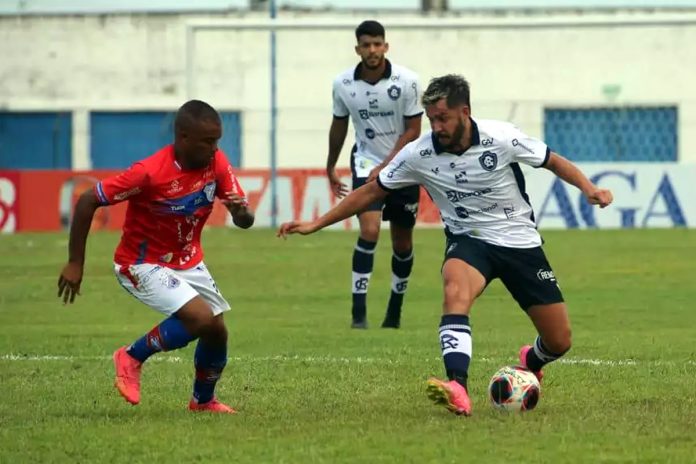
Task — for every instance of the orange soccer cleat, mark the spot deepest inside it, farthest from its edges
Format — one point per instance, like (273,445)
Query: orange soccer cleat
(211,406)
(127,375)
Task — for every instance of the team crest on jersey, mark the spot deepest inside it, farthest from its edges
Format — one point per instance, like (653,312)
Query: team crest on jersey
(209,191)
(488,160)
(394,92)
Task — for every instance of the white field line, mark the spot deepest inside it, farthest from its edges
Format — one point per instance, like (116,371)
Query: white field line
(344,360)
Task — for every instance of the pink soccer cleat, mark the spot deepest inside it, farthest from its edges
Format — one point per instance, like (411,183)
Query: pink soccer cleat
(127,375)
(450,394)
(523,361)
(211,406)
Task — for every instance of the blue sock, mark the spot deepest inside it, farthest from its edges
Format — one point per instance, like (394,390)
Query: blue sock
(363,260)
(210,361)
(169,335)
(455,341)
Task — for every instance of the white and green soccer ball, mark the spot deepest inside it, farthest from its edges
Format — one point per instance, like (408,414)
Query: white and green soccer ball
(514,389)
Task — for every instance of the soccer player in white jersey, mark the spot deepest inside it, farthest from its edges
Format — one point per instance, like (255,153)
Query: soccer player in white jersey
(470,168)
(382,99)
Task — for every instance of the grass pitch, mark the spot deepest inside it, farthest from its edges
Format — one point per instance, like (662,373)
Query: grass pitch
(309,389)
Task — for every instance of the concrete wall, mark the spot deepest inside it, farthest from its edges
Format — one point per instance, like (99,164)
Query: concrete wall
(112,62)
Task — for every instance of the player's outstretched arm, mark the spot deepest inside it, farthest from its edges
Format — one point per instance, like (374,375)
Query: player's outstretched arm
(358,200)
(71,276)
(570,173)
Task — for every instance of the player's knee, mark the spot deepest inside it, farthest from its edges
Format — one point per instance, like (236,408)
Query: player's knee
(369,233)
(215,331)
(402,244)
(456,299)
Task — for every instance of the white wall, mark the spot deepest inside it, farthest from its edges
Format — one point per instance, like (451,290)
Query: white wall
(138,62)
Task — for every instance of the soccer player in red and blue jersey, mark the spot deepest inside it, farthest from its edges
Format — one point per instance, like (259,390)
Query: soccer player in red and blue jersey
(159,259)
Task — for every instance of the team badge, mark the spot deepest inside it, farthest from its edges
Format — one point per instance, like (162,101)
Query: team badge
(394,92)
(488,160)
(172,282)
(209,191)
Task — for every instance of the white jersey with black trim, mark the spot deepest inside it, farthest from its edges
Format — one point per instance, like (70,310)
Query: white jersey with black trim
(480,192)
(377,110)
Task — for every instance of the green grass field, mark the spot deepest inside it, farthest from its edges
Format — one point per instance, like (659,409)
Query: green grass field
(309,389)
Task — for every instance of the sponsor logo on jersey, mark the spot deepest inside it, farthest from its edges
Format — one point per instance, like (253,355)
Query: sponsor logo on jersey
(126,194)
(366,114)
(488,160)
(390,174)
(175,187)
(543,274)
(426,153)
(517,143)
(455,195)
(374,104)
(487,142)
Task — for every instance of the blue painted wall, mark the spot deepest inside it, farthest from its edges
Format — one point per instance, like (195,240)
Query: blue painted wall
(35,140)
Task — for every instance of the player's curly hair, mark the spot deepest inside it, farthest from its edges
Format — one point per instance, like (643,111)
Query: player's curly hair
(452,87)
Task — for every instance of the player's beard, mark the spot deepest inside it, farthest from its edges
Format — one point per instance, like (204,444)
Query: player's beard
(455,141)
(379,63)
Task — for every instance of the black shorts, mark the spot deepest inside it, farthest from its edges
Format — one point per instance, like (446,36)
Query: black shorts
(525,272)
(399,206)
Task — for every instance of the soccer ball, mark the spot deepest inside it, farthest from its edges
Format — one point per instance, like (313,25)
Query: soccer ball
(514,388)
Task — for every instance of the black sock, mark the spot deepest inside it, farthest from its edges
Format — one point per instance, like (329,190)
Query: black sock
(401,264)
(363,260)
(539,356)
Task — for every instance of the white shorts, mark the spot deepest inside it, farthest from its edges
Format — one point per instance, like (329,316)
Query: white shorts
(167,290)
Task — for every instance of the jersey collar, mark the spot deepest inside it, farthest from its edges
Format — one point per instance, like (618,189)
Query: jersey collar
(475,140)
(385,75)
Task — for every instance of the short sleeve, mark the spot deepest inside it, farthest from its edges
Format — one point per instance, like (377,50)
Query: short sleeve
(412,100)
(340,110)
(123,186)
(225,178)
(526,149)
(400,172)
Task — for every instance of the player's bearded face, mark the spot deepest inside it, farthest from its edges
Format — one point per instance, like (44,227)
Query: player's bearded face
(452,139)
(371,51)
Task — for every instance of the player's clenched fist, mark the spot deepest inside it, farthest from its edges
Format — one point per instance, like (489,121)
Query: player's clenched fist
(601,197)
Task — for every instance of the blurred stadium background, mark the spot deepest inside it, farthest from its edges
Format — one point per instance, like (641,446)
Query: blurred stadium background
(91,86)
